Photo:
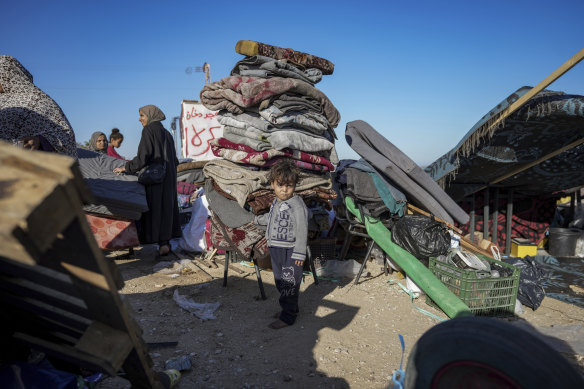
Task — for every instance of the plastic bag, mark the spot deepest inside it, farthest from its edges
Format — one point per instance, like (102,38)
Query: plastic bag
(422,236)
(193,233)
(202,311)
(530,292)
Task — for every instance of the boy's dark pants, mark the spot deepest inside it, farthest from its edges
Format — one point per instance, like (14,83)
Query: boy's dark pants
(288,277)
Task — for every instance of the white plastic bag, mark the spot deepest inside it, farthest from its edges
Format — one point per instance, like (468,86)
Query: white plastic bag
(202,311)
(412,286)
(193,233)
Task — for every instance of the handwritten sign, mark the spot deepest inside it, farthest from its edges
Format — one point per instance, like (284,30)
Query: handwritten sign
(198,126)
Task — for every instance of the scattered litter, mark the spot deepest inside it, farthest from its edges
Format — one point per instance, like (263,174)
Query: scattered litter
(162,265)
(179,363)
(173,269)
(519,310)
(202,311)
(169,378)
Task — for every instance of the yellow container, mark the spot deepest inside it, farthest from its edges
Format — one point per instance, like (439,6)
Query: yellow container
(521,247)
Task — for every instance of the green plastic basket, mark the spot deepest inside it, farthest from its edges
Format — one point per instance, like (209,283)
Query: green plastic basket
(483,294)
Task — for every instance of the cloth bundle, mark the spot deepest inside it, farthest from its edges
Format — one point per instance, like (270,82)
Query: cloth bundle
(250,48)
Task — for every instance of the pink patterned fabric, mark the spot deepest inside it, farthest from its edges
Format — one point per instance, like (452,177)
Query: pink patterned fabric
(242,240)
(113,234)
(239,153)
(185,188)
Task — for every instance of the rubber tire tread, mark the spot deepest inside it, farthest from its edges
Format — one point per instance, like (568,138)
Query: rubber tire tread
(515,352)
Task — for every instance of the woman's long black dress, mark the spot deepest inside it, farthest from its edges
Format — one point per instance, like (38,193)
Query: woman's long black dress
(160,223)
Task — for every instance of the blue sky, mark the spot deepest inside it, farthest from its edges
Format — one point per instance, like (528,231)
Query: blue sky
(421,73)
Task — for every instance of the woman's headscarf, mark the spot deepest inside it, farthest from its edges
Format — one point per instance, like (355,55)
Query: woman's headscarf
(93,142)
(153,113)
(25,110)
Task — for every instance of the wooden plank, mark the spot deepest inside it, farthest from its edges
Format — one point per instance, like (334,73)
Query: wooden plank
(68,353)
(468,245)
(28,322)
(41,309)
(38,274)
(43,328)
(417,210)
(106,343)
(537,162)
(569,64)
(29,289)
(21,210)
(68,246)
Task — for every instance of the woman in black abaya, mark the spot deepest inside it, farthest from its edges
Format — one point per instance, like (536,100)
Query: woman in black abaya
(160,223)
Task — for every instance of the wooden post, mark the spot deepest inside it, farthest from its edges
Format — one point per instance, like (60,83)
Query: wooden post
(495,217)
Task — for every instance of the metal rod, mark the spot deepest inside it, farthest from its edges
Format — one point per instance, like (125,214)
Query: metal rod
(486,214)
(495,216)
(509,222)
(472,217)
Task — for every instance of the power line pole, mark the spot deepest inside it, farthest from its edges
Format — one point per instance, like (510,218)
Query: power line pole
(206,68)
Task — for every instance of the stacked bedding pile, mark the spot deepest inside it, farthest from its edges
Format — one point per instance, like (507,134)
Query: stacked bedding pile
(270,110)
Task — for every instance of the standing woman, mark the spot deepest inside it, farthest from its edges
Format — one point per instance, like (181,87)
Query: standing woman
(115,141)
(98,142)
(160,223)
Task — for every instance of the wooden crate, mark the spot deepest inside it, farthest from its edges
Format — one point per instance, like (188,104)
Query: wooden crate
(59,294)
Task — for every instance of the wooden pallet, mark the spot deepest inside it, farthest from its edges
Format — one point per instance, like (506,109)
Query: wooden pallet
(58,293)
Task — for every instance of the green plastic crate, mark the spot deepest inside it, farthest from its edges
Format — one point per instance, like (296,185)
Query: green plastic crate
(486,296)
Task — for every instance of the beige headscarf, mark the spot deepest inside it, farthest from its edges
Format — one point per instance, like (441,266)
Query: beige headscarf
(153,113)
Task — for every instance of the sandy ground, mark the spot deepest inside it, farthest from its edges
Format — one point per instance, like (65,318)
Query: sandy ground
(346,335)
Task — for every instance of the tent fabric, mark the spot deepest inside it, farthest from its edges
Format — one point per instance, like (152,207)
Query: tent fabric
(521,148)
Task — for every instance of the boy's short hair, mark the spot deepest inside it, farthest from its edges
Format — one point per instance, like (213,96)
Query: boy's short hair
(284,172)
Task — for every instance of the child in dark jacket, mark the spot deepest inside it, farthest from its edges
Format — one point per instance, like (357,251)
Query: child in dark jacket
(287,235)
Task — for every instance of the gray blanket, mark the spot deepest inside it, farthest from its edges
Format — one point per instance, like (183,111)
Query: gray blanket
(120,196)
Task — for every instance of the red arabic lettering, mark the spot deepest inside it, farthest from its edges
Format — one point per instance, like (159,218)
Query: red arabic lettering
(201,140)
(194,114)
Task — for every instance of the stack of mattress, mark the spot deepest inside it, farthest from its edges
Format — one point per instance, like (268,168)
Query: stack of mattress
(270,110)
(119,200)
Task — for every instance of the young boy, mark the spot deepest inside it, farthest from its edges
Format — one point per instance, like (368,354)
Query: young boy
(287,225)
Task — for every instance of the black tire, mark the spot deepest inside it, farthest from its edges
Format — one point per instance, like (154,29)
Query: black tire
(463,352)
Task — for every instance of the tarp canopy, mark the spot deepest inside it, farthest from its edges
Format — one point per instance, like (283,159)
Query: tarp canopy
(539,149)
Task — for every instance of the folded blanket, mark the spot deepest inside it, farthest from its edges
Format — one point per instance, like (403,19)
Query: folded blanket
(261,200)
(227,209)
(240,182)
(272,119)
(266,67)
(283,139)
(241,153)
(236,93)
(252,141)
(308,60)
(313,121)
